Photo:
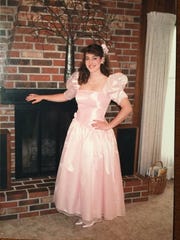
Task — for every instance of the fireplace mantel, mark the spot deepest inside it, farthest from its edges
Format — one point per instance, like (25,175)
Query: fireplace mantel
(17,96)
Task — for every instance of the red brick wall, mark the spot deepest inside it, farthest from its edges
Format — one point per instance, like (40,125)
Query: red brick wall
(39,63)
(7,17)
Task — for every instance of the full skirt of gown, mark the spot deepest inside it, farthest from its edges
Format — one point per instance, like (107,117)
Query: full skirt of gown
(89,181)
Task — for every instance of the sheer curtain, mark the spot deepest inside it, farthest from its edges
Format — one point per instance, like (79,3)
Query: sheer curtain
(167,149)
(160,28)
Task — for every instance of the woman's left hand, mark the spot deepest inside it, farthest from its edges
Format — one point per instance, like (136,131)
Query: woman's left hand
(101,125)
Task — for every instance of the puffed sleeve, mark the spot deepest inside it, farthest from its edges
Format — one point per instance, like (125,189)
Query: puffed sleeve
(115,87)
(72,86)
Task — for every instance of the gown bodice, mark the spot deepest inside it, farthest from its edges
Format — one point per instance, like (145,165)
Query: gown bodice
(92,105)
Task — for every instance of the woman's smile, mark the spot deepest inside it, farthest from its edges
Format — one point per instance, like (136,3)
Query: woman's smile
(93,62)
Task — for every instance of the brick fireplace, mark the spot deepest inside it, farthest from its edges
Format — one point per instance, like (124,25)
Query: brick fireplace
(34,64)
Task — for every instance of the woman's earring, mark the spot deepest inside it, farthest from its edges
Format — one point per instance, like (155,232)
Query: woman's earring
(102,62)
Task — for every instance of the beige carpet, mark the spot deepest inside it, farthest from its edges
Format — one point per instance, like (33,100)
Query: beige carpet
(149,220)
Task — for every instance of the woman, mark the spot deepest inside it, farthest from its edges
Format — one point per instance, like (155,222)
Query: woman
(89,181)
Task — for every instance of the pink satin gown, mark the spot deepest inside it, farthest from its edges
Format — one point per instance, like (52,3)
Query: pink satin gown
(89,181)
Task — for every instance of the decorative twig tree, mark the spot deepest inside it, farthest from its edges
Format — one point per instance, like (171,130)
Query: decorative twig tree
(70,20)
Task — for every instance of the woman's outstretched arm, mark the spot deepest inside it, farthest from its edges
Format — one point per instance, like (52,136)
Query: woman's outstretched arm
(35,98)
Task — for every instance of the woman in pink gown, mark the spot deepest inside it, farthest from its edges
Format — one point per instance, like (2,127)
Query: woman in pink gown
(89,181)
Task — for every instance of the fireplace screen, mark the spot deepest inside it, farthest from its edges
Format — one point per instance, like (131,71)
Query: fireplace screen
(40,132)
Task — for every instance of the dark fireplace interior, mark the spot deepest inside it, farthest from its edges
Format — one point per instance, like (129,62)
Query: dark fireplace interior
(40,132)
(127,139)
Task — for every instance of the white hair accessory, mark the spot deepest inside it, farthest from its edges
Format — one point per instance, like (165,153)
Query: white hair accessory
(105,49)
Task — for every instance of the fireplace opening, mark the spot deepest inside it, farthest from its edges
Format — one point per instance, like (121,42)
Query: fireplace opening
(40,131)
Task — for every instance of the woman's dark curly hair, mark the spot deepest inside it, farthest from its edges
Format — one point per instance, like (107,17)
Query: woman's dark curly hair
(97,50)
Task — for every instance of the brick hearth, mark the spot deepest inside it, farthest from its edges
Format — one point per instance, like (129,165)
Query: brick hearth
(34,197)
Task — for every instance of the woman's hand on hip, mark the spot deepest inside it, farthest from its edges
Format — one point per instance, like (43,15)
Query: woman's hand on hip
(101,125)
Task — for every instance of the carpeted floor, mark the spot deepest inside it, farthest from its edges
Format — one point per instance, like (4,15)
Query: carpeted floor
(143,221)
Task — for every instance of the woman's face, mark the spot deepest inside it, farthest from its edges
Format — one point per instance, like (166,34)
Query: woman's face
(93,62)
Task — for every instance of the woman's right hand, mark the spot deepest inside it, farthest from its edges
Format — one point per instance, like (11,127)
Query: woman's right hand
(34,98)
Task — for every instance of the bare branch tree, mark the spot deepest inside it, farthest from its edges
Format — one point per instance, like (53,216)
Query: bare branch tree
(70,20)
